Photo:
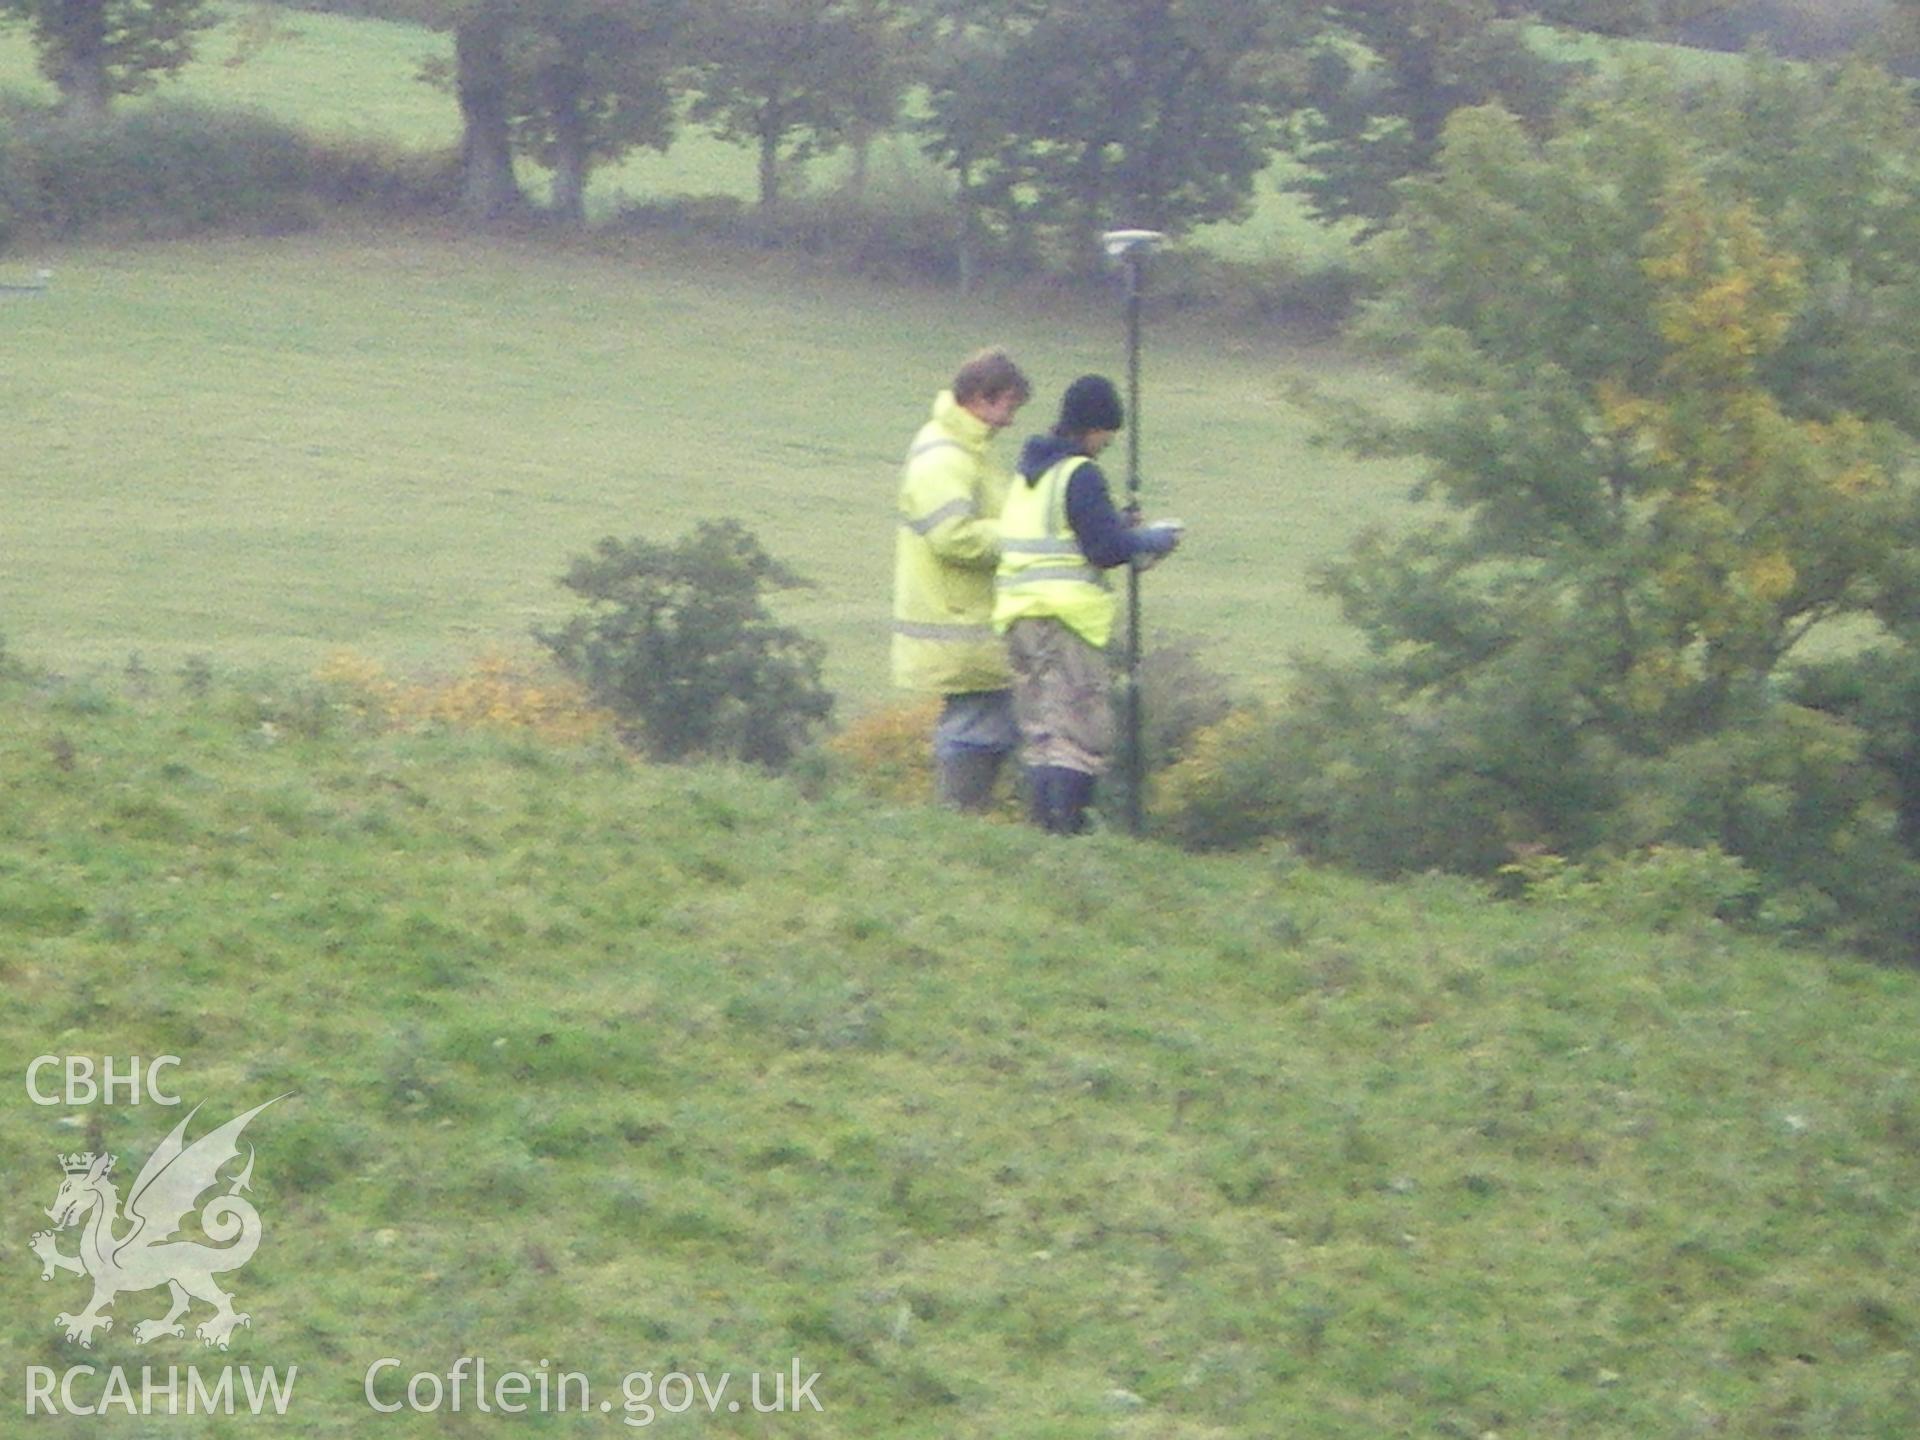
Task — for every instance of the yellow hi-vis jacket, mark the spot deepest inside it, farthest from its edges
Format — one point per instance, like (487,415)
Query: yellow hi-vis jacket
(948,545)
(1043,571)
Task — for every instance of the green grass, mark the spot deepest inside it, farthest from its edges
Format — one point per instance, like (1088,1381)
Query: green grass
(634,1068)
(395,441)
(334,74)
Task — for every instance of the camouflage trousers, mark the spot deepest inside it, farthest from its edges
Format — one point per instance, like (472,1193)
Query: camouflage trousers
(1061,698)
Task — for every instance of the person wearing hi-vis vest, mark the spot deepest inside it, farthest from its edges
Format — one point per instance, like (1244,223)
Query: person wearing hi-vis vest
(945,554)
(1059,535)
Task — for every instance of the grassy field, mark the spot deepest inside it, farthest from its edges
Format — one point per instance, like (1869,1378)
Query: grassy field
(393,442)
(684,1070)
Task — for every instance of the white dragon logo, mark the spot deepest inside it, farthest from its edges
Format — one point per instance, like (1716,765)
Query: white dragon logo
(164,1195)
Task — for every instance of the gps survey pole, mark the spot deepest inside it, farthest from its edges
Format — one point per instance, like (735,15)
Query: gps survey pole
(1131,248)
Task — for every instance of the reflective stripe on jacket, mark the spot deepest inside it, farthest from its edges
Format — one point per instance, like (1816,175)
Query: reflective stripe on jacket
(948,543)
(1043,571)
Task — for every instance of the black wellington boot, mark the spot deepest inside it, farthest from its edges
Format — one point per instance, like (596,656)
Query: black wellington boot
(1072,797)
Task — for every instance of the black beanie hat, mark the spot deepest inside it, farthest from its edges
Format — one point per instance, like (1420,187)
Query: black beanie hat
(1091,403)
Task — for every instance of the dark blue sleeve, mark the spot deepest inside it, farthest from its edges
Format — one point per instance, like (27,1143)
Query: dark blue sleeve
(1105,538)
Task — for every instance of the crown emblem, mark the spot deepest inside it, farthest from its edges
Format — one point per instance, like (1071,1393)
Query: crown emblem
(80,1164)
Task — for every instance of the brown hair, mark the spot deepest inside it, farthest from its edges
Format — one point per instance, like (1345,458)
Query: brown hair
(989,374)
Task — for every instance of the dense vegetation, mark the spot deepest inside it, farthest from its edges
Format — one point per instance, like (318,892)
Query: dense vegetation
(1676,603)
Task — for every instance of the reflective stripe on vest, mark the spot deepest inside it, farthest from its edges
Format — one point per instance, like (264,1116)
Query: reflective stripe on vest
(1038,547)
(926,524)
(1084,574)
(1043,571)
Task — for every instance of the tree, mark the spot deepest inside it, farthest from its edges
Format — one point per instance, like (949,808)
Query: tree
(479,78)
(961,51)
(589,80)
(94,50)
(1826,155)
(1640,508)
(481,83)
(1385,75)
(677,641)
(1073,119)
(892,24)
(1652,511)
(793,78)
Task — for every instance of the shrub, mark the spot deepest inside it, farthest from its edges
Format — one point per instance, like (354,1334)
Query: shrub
(1782,818)
(158,170)
(1315,294)
(1180,696)
(1348,776)
(496,692)
(170,169)
(1224,793)
(901,228)
(889,751)
(1798,796)
(1661,887)
(678,643)
(379,176)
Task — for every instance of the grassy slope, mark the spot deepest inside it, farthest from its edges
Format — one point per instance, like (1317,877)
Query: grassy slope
(266,450)
(633,1068)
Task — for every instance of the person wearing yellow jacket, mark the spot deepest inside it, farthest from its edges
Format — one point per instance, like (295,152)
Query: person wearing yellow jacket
(1059,535)
(945,554)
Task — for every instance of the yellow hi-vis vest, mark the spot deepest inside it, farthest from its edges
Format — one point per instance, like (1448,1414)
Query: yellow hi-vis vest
(1043,571)
(948,544)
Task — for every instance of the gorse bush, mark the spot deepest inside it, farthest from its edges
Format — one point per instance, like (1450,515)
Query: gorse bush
(887,751)
(677,641)
(496,692)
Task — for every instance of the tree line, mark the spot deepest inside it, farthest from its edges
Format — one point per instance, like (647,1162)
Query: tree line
(1052,119)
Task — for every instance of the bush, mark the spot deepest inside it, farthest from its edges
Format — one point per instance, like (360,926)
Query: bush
(1797,796)
(1180,697)
(901,229)
(172,169)
(1226,793)
(889,751)
(1797,824)
(678,643)
(156,171)
(1347,775)
(1661,887)
(494,693)
(378,176)
(1318,295)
